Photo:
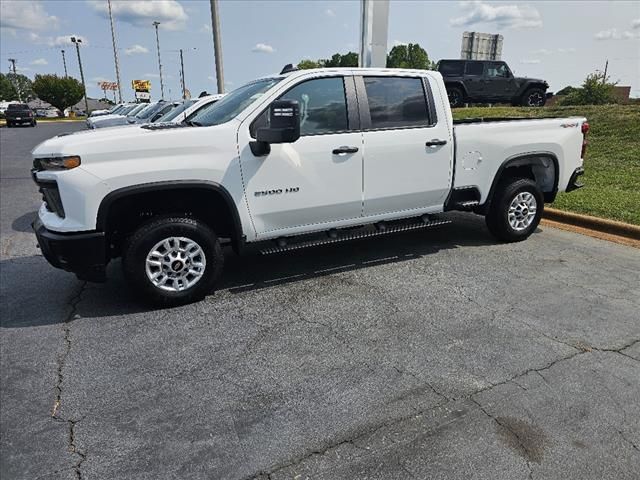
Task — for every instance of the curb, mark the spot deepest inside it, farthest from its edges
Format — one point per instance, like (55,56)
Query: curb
(593,223)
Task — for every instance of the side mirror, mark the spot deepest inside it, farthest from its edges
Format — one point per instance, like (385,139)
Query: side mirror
(284,123)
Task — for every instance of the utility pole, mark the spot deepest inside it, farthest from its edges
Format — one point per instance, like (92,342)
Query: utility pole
(77,42)
(155,24)
(184,87)
(15,79)
(217,45)
(115,51)
(64,62)
(604,77)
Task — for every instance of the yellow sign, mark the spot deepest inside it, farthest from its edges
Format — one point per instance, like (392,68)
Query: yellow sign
(141,85)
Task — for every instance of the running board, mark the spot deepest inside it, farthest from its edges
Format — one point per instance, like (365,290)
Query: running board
(354,236)
(468,205)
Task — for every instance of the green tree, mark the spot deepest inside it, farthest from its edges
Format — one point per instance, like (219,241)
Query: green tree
(7,90)
(60,92)
(409,56)
(349,59)
(23,86)
(596,90)
(567,90)
(307,64)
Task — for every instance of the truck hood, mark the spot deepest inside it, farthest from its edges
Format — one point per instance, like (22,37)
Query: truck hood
(154,143)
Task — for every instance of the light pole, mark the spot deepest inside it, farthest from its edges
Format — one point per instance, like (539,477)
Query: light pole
(14,80)
(64,62)
(217,45)
(77,42)
(184,87)
(155,24)
(115,51)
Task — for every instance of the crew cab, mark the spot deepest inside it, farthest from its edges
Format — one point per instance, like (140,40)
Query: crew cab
(294,160)
(19,114)
(489,81)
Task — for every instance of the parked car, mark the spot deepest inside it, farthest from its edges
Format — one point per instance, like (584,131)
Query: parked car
(19,114)
(487,81)
(188,109)
(149,113)
(128,109)
(50,112)
(106,111)
(291,161)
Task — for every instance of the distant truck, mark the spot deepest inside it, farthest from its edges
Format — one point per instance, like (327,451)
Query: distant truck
(19,114)
(489,81)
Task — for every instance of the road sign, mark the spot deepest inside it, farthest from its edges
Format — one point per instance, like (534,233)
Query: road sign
(141,85)
(108,85)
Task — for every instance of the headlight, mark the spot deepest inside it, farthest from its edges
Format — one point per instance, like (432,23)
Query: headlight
(56,163)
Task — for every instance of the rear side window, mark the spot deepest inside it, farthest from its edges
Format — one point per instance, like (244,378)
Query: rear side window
(474,69)
(396,102)
(451,69)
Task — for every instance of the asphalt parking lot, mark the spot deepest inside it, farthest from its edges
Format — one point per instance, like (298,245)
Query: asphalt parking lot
(438,354)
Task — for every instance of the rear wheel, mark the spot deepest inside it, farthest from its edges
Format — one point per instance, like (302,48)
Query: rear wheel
(515,210)
(534,97)
(33,123)
(9,125)
(456,96)
(173,260)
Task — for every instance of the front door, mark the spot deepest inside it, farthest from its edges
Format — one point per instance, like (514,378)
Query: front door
(407,147)
(311,181)
(501,85)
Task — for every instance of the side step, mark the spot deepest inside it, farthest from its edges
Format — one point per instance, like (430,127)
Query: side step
(354,236)
(468,205)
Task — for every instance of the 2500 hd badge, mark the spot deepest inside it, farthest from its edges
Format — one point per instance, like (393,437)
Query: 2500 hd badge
(278,191)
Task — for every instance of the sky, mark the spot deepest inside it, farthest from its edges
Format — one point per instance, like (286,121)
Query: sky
(559,41)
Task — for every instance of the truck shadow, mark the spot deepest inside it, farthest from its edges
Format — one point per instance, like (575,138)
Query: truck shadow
(24,307)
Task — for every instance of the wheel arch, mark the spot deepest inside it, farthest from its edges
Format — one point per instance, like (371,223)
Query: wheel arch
(528,86)
(457,84)
(534,165)
(209,201)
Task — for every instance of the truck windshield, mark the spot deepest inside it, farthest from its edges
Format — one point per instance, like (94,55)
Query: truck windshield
(176,111)
(150,110)
(135,109)
(230,106)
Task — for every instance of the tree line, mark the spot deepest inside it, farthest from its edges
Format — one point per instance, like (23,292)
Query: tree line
(61,92)
(411,55)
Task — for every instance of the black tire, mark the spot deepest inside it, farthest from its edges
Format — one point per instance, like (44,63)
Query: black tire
(534,97)
(498,218)
(456,96)
(9,125)
(33,123)
(140,245)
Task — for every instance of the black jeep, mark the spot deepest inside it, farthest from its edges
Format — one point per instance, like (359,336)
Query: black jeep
(488,81)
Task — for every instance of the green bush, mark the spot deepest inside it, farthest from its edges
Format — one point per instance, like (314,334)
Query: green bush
(596,90)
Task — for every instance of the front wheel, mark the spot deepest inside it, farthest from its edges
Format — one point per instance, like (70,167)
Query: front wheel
(173,260)
(534,97)
(515,210)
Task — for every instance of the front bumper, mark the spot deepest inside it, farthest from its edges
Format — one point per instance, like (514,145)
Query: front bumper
(573,181)
(82,253)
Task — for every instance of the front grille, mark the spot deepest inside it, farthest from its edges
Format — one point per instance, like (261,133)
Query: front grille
(51,197)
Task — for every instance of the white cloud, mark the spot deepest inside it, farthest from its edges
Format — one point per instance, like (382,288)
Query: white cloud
(99,79)
(399,42)
(59,41)
(25,15)
(157,75)
(206,28)
(169,13)
(615,34)
(329,13)
(532,61)
(136,49)
(546,52)
(39,61)
(502,16)
(635,23)
(263,48)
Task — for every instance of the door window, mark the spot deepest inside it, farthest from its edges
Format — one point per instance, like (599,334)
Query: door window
(396,102)
(497,70)
(473,69)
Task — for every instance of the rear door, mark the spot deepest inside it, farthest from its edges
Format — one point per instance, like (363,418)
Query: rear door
(407,144)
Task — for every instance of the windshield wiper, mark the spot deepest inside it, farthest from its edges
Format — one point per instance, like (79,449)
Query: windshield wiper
(193,123)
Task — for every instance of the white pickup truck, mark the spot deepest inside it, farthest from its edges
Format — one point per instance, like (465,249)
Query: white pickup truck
(294,160)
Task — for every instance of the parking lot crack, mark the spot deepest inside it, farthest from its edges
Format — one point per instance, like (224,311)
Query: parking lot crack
(627,440)
(522,447)
(621,349)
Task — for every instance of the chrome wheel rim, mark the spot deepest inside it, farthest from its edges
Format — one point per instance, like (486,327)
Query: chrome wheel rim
(535,99)
(454,98)
(175,264)
(522,211)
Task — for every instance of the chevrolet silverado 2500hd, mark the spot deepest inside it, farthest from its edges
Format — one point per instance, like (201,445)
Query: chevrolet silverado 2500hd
(298,159)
